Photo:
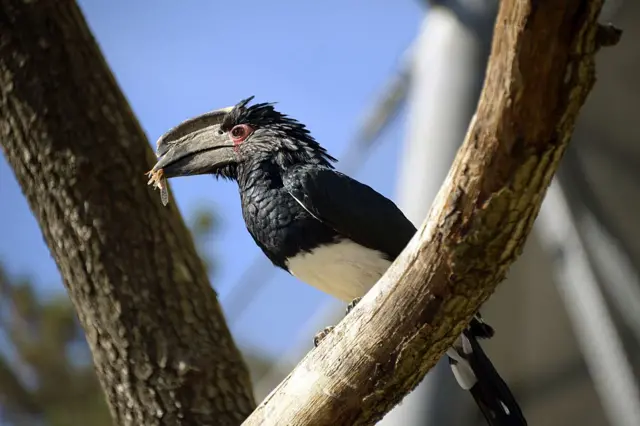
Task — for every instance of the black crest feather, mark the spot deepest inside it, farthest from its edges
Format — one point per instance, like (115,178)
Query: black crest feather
(290,133)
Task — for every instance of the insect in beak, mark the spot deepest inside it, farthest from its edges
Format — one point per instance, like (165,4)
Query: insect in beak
(160,182)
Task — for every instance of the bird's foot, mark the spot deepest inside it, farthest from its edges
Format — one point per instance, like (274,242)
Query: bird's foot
(321,335)
(353,304)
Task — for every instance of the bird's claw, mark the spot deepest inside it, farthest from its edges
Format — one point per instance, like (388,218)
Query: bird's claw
(321,335)
(353,304)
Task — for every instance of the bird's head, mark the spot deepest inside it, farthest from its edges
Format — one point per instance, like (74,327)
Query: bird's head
(219,141)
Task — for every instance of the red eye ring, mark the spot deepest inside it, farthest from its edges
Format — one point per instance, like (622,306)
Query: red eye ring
(240,132)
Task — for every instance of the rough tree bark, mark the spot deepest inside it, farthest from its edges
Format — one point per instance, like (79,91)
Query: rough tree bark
(540,72)
(160,345)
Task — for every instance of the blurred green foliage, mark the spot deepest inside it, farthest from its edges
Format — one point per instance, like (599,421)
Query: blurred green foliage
(203,224)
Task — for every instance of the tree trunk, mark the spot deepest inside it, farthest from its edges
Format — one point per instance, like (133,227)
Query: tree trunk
(160,345)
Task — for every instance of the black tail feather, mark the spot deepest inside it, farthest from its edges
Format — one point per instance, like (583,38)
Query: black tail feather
(491,393)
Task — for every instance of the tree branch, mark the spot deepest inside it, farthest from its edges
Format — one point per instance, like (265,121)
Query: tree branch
(161,348)
(539,74)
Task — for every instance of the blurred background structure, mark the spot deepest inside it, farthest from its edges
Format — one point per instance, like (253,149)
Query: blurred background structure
(389,87)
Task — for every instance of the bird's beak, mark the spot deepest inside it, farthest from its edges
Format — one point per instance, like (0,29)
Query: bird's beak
(196,146)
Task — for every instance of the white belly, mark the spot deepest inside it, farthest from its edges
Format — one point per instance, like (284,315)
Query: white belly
(345,270)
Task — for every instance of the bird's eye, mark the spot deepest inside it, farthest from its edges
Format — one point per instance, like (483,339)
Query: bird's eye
(240,132)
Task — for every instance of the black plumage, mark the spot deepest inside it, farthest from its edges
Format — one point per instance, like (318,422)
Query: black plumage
(323,191)
(320,225)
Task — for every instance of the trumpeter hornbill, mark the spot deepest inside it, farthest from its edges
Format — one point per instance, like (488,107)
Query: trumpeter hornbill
(320,225)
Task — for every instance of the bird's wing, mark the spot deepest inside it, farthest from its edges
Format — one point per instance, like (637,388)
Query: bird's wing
(351,208)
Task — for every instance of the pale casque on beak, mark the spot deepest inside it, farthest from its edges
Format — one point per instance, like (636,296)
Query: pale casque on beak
(195,146)
(198,146)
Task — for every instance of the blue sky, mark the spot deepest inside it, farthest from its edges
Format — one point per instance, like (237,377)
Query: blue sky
(323,62)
